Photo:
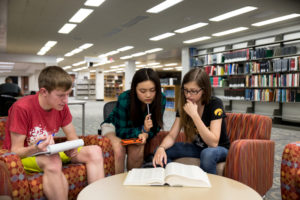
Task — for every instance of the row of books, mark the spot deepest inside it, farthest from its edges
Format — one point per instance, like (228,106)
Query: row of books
(238,94)
(218,81)
(170,104)
(170,93)
(286,64)
(273,80)
(273,95)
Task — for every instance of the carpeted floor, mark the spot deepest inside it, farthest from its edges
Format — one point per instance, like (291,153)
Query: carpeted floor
(280,134)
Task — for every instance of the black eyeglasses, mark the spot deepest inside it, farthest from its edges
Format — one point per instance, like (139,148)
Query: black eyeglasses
(192,92)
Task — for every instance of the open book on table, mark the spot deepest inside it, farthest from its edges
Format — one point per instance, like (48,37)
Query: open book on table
(63,146)
(174,174)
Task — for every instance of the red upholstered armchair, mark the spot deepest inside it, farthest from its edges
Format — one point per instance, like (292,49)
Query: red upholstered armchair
(22,185)
(250,158)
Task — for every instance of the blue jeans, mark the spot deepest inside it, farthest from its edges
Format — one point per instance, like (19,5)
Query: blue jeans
(209,157)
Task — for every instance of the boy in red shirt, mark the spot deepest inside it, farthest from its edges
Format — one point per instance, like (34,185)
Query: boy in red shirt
(35,118)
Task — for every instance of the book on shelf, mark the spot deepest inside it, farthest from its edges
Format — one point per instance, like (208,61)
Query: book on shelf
(174,174)
(63,146)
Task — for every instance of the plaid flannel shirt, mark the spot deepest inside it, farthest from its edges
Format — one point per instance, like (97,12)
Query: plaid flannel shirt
(120,118)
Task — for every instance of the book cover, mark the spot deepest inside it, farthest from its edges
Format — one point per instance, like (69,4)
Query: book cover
(174,174)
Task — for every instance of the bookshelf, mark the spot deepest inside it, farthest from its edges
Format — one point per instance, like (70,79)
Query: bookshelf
(254,73)
(172,93)
(85,89)
(113,86)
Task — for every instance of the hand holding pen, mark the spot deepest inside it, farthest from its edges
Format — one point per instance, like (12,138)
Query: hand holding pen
(44,141)
(148,121)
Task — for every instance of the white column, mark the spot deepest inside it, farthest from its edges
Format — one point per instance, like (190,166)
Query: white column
(99,85)
(129,72)
(185,61)
(33,84)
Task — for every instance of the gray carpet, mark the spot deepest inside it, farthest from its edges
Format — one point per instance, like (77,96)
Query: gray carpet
(280,134)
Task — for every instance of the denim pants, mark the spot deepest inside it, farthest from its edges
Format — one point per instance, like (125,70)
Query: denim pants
(209,157)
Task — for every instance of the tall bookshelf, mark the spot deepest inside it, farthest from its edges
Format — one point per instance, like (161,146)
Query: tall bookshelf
(255,73)
(85,89)
(113,86)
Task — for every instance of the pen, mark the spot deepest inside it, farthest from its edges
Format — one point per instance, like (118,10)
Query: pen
(39,142)
(148,109)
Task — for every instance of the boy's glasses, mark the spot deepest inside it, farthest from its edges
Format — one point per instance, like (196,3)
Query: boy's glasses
(192,92)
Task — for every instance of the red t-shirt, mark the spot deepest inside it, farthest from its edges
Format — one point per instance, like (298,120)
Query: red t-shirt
(27,117)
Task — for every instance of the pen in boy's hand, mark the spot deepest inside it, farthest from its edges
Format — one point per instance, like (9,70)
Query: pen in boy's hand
(39,142)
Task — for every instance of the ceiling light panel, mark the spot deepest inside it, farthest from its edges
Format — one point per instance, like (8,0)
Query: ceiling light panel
(125,48)
(86,46)
(162,36)
(80,15)
(227,32)
(93,3)
(233,13)
(46,47)
(154,50)
(196,39)
(163,6)
(67,28)
(191,27)
(278,19)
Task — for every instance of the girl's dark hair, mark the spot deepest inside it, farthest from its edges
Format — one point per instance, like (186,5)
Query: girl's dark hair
(201,78)
(136,112)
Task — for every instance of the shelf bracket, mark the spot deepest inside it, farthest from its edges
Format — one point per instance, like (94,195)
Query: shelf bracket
(277,113)
(228,108)
(252,108)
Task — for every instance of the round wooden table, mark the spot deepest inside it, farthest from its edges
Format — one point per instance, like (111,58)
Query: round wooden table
(112,188)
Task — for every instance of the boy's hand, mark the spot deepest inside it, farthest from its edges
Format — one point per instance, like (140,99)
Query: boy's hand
(43,142)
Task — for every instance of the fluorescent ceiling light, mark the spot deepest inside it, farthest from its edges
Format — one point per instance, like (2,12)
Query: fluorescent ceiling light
(152,64)
(230,31)
(141,66)
(153,50)
(7,63)
(125,48)
(278,19)
(233,13)
(80,15)
(86,45)
(168,68)
(138,54)
(171,64)
(50,43)
(163,6)
(45,49)
(196,39)
(2,71)
(162,36)
(157,66)
(41,53)
(6,67)
(125,57)
(76,51)
(67,28)
(137,62)
(94,3)
(112,53)
(93,70)
(114,67)
(59,59)
(69,54)
(191,27)
(67,67)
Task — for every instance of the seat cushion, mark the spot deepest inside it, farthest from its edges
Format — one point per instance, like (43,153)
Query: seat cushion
(196,161)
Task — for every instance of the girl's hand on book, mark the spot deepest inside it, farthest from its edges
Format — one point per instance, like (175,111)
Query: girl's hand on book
(160,157)
(148,123)
(143,137)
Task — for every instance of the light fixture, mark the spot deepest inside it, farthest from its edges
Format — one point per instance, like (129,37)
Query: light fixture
(196,39)
(125,57)
(152,64)
(138,54)
(46,47)
(163,6)
(93,3)
(171,64)
(191,27)
(112,53)
(233,13)
(59,60)
(153,50)
(67,67)
(93,71)
(50,43)
(86,45)
(168,68)
(125,48)
(80,15)
(162,36)
(230,31)
(69,54)
(67,28)
(274,20)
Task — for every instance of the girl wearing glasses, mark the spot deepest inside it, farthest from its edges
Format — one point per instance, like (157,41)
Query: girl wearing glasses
(202,118)
(138,114)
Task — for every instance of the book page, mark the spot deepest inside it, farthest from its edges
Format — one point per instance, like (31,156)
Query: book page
(145,176)
(186,175)
(64,146)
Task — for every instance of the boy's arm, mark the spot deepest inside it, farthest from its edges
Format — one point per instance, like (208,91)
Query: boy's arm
(70,131)
(17,145)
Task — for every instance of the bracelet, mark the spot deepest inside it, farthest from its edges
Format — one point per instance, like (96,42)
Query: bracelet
(143,128)
(162,147)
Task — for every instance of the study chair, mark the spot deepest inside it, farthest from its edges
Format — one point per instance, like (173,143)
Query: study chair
(250,157)
(6,101)
(107,109)
(20,184)
(290,172)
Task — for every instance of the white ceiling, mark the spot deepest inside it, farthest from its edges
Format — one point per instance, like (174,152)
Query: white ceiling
(118,23)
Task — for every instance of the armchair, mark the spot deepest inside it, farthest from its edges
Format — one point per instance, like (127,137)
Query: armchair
(251,153)
(25,185)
